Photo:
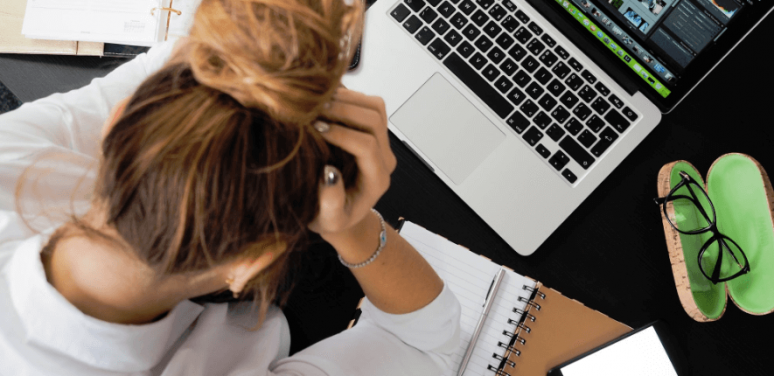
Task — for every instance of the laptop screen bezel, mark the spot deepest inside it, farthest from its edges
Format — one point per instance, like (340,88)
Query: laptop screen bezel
(742,24)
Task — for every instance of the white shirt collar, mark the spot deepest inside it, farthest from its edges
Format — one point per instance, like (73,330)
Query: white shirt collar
(51,321)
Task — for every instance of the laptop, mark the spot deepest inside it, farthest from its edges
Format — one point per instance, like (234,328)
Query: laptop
(523,107)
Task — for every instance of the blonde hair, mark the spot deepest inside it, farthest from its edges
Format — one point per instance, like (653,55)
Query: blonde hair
(214,156)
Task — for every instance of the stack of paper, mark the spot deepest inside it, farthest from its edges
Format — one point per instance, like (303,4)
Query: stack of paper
(132,22)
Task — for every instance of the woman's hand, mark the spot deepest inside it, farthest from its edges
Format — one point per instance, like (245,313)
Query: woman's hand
(365,137)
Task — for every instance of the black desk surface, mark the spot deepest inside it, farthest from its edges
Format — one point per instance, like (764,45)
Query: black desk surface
(610,253)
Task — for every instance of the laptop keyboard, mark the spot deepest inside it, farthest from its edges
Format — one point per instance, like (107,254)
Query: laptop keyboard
(545,95)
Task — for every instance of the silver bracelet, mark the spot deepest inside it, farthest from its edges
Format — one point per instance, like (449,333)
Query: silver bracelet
(382,243)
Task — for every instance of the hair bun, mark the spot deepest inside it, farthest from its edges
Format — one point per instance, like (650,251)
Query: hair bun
(285,57)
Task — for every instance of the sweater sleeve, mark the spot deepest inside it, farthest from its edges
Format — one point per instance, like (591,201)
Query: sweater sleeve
(67,126)
(417,343)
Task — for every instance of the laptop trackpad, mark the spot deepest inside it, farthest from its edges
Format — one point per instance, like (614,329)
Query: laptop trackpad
(447,128)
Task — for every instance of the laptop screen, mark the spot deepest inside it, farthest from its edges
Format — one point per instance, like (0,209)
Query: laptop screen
(668,44)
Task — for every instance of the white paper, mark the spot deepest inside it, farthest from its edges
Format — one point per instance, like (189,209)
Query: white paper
(131,22)
(469,276)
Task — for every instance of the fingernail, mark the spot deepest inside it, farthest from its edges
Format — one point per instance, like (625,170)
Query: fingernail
(321,126)
(331,175)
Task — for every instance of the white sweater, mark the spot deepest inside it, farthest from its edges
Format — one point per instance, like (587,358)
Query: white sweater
(41,333)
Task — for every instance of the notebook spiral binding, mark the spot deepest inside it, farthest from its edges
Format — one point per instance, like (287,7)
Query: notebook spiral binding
(510,344)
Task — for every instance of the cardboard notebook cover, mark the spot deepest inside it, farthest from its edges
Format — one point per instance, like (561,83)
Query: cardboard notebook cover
(562,329)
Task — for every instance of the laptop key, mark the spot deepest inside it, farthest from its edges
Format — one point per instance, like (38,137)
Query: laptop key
(459,21)
(522,78)
(510,5)
(559,160)
(556,87)
(522,35)
(587,138)
(434,2)
(497,12)
(516,96)
(595,123)
(504,40)
(491,72)
(543,76)
(617,121)
(555,132)
(587,93)
(602,89)
(600,105)
(446,9)
(536,47)
(573,126)
(503,84)
(492,29)
(545,153)
(588,77)
(574,82)
(529,64)
(478,85)
(561,70)
(453,38)
(425,35)
(575,64)
(569,99)
(467,7)
(465,49)
(550,42)
(560,114)
(542,120)
(522,17)
(483,43)
(517,52)
(441,26)
(428,14)
(547,102)
(518,122)
(569,175)
(529,108)
(548,58)
(617,102)
(532,136)
(415,5)
(496,55)
(535,28)
(562,52)
(582,112)
(510,23)
(479,18)
(412,24)
(485,3)
(629,113)
(534,90)
(478,61)
(577,152)
(470,32)
(509,67)
(400,13)
(439,49)
(607,137)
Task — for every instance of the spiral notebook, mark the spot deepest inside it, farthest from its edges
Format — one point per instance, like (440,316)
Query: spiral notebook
(530,328)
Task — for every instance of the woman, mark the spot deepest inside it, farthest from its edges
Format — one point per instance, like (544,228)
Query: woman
(208,178)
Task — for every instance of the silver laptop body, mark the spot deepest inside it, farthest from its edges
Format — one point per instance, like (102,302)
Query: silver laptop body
(521,190)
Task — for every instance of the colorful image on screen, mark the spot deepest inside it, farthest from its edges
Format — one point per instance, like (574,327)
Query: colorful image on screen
(728,7)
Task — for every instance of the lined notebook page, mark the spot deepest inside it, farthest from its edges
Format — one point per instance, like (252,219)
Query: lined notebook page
(469,277)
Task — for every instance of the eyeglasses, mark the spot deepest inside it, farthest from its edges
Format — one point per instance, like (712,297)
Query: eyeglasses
(711,258)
